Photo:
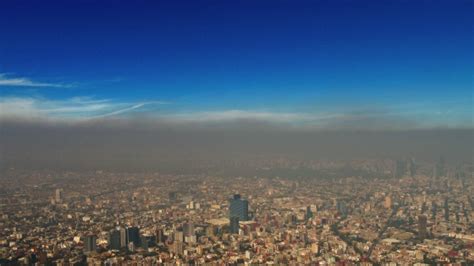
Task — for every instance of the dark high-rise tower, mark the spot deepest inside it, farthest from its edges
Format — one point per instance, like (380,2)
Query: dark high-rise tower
(309,213)
(133,235)
(440,168)
(239,207)
(412,167)
(114,242)
(422,221)
(446,210)
(90,243)
(234,225)
(341,208)
(400,168)
(160,236)
(173,195)
(188,229)
(434,210)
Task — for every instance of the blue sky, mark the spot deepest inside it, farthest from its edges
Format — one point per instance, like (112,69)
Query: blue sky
(284,61)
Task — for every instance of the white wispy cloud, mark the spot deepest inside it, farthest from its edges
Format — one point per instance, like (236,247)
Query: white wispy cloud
(6,80)
(232,115)
(77,108)
(122,111)
(80,108)
(88,108)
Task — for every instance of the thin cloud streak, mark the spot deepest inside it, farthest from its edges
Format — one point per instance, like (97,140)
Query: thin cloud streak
(249,115)
(121,111)
(68,110)
(26,82)
(80,109)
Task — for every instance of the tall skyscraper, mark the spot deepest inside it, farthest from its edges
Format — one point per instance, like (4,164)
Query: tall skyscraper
(234,225)
(90,243)
(387,202)
(188,229)
(133,236)
(412,167)
(178,236)
(58,195)
(147,241)
(188,232)
(434,210)
(160,236)
(173,195)
(178,248)
(400,168)
(440,169)
(342,207)
(239,207)
(123,237)
(446,210)
(114,239)
(309,213)
(422,232)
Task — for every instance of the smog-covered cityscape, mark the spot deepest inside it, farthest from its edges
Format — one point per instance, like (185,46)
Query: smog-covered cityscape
(236,132)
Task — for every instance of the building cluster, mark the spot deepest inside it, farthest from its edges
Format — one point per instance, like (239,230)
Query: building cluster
(104,218)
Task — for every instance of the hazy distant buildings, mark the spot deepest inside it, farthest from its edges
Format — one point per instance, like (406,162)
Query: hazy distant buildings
(434,210)
(405,167)
(239,207)
(422,223)
(400,168)
(341,208)
(58,195)
(387,202)
(446,210)
(412,167)
(440,168)
(173,195)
